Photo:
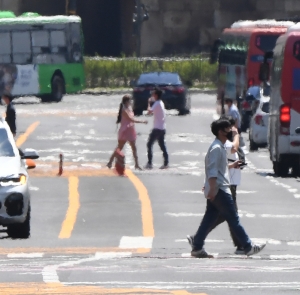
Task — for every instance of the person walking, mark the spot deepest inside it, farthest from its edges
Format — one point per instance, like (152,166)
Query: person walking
(235,114)
(231,146)
(218,195)
(10,113)
(159,128)
(127,131)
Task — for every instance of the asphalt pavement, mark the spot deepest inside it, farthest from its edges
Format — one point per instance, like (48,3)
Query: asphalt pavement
(93,232)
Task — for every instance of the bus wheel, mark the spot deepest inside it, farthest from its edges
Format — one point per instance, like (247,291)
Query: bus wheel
(58,88)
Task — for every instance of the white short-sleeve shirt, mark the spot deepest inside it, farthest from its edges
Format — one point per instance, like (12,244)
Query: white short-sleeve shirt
(159,114)
(234,174)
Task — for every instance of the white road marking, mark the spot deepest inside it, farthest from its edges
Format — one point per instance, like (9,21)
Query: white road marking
(186,153)
(49,272)
(280,216)
(184,214)
(192,192)
(33,188)
(174,285)
(246,192)
(25,255)
(206,241)
(294,243)
(136,242)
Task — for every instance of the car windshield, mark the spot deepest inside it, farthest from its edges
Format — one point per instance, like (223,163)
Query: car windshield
(265,107)
(159,79)
(6,149)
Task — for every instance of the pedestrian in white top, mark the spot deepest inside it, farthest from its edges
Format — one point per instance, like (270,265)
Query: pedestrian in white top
(159,128)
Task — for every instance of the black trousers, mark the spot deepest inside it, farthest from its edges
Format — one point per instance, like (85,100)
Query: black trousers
(221,219)
(159,135)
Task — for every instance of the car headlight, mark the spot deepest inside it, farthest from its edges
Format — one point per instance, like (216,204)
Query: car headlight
(13,181)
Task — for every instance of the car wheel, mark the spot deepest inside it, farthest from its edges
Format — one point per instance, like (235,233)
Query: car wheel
(253,146)
(138,112)
(281,168)
(58,89)
(20,230)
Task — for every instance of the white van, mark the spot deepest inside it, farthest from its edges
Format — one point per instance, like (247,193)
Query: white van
(284,118)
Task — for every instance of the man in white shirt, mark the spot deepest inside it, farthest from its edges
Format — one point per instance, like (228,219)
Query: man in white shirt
(159,128)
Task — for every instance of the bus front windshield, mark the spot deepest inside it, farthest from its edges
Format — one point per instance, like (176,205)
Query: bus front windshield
(266,43)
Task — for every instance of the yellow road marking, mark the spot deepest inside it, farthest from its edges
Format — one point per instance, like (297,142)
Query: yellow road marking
(23,137)
(74,204)
(60,289)
(146,210)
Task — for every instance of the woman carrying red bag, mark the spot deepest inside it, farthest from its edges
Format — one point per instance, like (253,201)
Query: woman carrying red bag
(127,131)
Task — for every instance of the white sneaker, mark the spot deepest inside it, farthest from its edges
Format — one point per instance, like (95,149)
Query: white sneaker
(255,249)
(149,166)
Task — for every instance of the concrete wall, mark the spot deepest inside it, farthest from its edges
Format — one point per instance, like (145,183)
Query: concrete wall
(13,5)
(186,26)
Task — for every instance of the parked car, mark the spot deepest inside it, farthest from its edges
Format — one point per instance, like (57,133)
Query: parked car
(258,131)
(175,92)
(14,187)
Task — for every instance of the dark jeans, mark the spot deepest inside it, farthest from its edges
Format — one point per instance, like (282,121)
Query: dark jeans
(223,205)
(221,218)
(159,135)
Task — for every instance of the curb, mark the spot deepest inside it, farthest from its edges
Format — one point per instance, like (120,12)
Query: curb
(129,90)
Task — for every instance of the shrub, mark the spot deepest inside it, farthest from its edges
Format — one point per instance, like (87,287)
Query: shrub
(118,72)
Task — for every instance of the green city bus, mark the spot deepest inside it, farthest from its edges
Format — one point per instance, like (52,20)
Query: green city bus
(41,55)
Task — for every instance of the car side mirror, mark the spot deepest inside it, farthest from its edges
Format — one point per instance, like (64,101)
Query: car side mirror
(30,154)
(297,130)
(132,83)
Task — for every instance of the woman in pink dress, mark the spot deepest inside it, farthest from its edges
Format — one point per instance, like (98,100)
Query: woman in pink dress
(127,130)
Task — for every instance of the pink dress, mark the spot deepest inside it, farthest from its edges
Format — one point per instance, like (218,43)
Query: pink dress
(127,129)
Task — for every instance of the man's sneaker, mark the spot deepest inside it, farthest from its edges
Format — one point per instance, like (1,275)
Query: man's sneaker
(164,167)
(255,249)
(239,251)
(149,166)
(190,240)
(200,254)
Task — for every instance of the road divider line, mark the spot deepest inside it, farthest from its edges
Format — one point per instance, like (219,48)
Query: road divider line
(74,205)
(146,208)
(23,137)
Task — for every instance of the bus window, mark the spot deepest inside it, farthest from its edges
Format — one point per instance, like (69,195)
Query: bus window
(21,47)
(296,52)
(58,47)
(40,42)
(5,48)
(266,42)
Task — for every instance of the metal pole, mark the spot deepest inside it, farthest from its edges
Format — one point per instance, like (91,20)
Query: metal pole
(67,7)
(139,27)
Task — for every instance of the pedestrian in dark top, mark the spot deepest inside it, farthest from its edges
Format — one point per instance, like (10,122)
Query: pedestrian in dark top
(159,129)
(10,113)
(218,195)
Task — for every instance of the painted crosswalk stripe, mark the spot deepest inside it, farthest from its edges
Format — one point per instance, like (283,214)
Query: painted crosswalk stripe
(25,255)
(136,242)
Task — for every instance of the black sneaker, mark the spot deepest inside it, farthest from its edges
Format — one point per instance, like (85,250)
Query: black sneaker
(190,240)
(239,251)
(200,254)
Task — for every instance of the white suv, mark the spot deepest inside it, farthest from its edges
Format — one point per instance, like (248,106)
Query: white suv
(14,187)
